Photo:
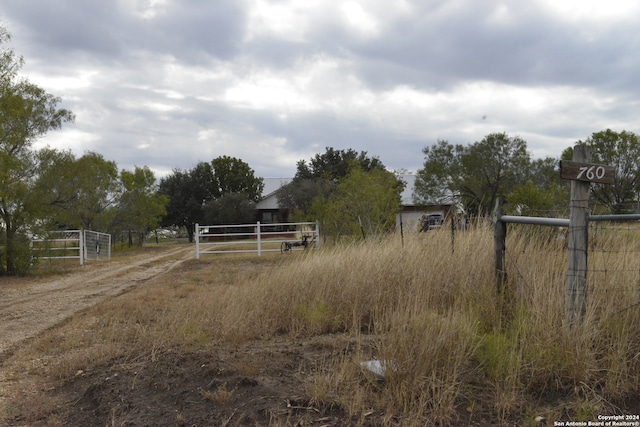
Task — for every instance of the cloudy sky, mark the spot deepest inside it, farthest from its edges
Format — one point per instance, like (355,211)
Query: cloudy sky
(170,83)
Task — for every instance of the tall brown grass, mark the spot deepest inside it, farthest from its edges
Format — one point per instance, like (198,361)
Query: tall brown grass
(449,343)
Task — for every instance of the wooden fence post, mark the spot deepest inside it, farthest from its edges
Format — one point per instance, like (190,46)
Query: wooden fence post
(576,297)
(499,245)
(453,231)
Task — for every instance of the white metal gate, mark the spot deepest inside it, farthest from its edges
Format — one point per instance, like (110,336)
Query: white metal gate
(72,244)
(66,244)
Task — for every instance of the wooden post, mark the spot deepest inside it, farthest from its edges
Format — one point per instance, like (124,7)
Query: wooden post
(499,245)
(452,217)
(576,296)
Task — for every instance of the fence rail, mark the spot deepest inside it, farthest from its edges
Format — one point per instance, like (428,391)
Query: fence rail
(251,238)
(564,222)
(68,245)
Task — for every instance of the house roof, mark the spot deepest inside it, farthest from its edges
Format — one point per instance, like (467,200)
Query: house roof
(271,185)
(269,198)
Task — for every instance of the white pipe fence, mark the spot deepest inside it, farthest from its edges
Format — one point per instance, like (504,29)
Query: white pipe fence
(255,238)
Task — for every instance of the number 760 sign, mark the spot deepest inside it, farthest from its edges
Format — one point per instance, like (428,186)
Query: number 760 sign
(587,172)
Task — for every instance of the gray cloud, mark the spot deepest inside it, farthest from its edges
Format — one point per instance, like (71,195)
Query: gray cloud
(169,83)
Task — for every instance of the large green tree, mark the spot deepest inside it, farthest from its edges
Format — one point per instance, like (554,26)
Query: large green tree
(622,151)
(27,112)
(543,193)
(237,191)
(475,175)
(232,175)
(190,192)
(81,191)
(187,192)
(336,164)
(140,206)
(364,203)
(230,208)
(437,182)
(321,175)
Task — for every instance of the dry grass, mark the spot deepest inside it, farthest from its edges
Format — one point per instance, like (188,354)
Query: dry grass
(450,344)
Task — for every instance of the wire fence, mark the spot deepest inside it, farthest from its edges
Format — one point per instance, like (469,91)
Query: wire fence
(614,262)
(96,245)
(613,257)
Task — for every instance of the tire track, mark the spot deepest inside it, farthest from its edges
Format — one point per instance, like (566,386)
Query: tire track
(29,310)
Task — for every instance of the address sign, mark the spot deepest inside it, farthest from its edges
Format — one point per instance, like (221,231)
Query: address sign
(589,172)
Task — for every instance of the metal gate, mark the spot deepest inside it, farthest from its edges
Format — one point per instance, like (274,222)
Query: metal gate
(72,244)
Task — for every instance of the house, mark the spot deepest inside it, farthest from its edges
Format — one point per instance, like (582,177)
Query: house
(410,218)
(268,209)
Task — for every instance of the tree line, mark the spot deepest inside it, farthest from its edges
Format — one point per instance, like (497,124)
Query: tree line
(500,166)
(349,192)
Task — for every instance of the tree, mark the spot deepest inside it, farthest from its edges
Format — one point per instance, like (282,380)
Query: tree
(190,192)
(80,191)
(231,175)
(187,192)
(140,206)
(18,206)
(622,151)
(364,203)
(321,175)
(437,181)
(230,208)
(544,192)
(336,164)
(476,175)
(27,113)
(298,194)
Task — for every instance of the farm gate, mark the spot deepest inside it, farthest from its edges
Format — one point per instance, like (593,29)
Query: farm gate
(96,245)
(73,244)
(254,238)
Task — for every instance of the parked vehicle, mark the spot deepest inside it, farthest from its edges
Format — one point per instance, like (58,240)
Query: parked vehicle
(431,222)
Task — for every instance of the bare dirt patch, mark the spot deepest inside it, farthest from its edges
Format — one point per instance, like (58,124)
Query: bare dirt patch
(254,384)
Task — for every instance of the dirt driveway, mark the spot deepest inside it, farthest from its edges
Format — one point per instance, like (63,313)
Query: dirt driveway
(259,382)
(29,306)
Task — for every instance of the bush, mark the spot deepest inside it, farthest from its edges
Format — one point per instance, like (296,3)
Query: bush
(22,255)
